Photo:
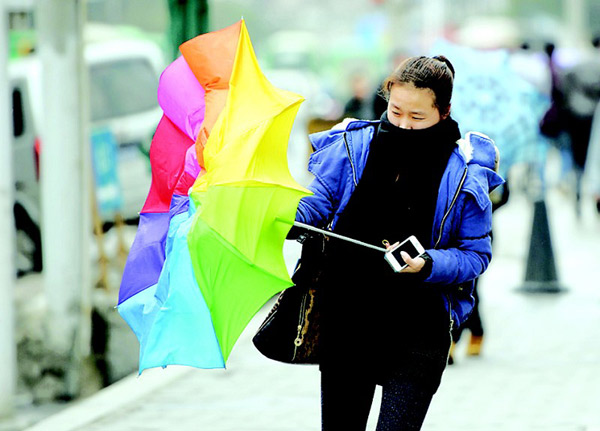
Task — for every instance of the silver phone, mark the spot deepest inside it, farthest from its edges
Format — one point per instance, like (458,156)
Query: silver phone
(411,245)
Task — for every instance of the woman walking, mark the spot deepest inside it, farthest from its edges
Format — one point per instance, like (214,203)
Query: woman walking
(383,181)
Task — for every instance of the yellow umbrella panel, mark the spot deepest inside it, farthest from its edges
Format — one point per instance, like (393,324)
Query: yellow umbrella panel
(236,239)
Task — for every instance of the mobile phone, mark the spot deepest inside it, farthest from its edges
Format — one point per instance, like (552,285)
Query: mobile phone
(411,245)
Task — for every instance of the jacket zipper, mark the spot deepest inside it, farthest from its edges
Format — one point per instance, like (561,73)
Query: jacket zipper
(351,161)
(462,181)
(450,312)
(452,203)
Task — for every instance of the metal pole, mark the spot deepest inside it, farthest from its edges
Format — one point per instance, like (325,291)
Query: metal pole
(335,235)
(65,184)
(7,238)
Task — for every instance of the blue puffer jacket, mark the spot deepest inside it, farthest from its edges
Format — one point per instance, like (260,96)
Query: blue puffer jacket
(460,245)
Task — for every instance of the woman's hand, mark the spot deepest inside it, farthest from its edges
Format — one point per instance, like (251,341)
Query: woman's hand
(414,265)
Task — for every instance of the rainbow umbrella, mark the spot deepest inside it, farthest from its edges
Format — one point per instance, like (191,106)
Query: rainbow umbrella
(207,258)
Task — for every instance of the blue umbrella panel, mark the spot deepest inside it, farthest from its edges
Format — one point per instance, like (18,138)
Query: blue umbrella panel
(491,97)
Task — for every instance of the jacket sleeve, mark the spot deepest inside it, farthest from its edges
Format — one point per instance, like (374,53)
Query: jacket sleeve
(470,253)
(329,166)
(316,209)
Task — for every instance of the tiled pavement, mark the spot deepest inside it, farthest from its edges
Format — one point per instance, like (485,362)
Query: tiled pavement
(540,367)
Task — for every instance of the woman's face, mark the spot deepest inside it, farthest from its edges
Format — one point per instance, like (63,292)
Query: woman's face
(410,107)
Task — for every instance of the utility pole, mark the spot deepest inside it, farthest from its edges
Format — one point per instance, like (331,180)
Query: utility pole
(188,19)
(7,229)
(65,167)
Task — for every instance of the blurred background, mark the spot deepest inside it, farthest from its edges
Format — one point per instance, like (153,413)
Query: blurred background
(79,83)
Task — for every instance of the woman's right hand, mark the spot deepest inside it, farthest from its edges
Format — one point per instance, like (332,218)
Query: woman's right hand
(414,265)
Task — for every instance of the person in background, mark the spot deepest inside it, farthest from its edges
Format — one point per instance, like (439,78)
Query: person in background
(581,90)
(381,181)
(359,105)
(474,323)
(378,99)
(524,62)
(552,125)
(475,327)
(593,162)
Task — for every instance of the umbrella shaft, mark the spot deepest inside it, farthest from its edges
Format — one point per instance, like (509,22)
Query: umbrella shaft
(335,235)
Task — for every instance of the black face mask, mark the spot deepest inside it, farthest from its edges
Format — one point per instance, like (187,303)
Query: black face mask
(400,182)
(420,141)
(395,149)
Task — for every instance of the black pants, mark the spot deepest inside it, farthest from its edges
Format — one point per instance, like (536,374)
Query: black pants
(347,395)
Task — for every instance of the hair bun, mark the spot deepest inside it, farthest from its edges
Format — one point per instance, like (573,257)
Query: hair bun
(444,60)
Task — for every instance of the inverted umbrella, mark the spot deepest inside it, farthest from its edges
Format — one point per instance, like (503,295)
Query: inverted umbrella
(223,251)
(188,89)
(182,101)
(489,96)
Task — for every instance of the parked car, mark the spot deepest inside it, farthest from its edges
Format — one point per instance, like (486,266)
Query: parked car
(25,147)
(123,82)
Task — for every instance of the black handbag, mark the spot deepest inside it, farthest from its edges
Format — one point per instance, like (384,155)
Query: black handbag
(290,332)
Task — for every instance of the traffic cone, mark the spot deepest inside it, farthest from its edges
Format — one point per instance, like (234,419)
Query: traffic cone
(541,274)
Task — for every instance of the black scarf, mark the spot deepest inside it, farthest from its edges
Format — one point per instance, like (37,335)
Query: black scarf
(397,194)
(364,299)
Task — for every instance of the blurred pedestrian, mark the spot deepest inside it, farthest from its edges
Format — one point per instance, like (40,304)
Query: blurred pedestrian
(553,124)
(592,166)
(407,174)
(474,323)
(359,106)
(527,65)
(532,66)
(593,162)
(581,91)
(380,102)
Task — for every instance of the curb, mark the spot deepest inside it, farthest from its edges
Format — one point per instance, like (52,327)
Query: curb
(103,403)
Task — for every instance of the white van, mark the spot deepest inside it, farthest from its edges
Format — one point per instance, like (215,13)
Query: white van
(25,145)
(123,73)
(123,98)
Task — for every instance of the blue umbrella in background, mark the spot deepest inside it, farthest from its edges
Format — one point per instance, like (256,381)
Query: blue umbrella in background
(491,97)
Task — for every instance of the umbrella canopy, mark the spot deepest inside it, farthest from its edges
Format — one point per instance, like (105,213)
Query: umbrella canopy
(222,242)
(182,99)
(491,97)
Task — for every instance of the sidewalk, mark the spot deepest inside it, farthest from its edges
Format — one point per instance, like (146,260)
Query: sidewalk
(540,368)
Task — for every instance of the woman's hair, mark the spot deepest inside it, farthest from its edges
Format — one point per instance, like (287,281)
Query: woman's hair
(435,73)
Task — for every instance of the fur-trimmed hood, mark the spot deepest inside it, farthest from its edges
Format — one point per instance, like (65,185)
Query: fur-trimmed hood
(481,154)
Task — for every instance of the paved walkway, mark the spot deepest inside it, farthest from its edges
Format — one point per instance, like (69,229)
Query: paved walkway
(540,368)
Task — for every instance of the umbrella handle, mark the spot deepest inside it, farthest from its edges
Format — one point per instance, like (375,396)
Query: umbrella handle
(334,235)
